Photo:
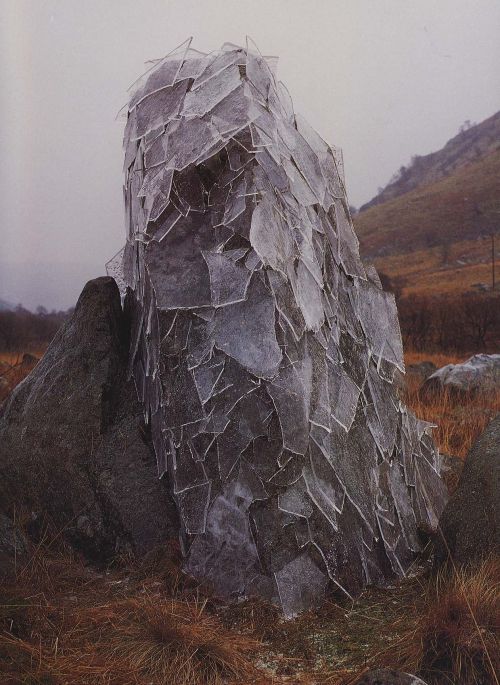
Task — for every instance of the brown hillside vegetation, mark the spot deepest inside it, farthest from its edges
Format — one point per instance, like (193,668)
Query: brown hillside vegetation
(449,269)
(465,324)
(471,143)
(461,207)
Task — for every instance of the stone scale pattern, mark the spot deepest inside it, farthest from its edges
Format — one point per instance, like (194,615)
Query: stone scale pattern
(263,351)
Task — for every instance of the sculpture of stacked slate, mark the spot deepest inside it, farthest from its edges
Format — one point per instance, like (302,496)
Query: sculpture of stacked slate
(262,350)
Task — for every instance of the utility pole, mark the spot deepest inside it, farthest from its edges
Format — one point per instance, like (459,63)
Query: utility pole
(493,261)
(479,213)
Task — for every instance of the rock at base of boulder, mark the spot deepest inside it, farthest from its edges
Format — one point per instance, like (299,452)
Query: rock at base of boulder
(74,450)
(469,528)
(388,677)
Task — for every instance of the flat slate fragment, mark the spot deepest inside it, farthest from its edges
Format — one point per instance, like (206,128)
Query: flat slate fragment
(262,349)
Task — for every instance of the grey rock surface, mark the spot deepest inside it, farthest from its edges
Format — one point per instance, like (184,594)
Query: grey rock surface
(73,447)
(13,548)
(262,351)
(470,524)
(480,373)
(389,677)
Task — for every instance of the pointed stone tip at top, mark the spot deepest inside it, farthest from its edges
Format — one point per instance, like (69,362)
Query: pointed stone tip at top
(101,291)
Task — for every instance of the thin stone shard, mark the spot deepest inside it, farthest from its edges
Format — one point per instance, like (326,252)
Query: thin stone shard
(228,280)
(257,350)
(202,99)
(300,583)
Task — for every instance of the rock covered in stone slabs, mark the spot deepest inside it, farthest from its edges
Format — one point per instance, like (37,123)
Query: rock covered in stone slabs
(73,450)
(263,353)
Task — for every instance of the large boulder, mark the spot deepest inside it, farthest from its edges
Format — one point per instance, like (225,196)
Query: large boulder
(74,451)
(264,352)
(469,528)
(480,373)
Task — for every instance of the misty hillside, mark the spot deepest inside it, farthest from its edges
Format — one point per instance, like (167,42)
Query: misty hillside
(436,236)
(472,143)
(462,206)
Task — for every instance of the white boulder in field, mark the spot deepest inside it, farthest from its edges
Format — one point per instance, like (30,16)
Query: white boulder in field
(479,373)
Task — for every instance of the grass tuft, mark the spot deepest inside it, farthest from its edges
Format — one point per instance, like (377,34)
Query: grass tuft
(453,634)
(63,622)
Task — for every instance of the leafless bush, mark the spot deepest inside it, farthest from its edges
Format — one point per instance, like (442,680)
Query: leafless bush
(22,330)
(459,324)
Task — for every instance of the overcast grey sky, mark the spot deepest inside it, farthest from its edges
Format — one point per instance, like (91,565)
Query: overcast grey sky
(383,79)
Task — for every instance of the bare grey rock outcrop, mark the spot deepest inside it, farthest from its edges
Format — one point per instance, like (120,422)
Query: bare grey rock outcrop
(480,373)
(470,524)
(14,548)
(73,447)
(264,360)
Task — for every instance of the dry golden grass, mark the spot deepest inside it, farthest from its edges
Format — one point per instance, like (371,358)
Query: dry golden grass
(443,627)
(64,623)
(167,639)
(460,419)
(424,272)
(452,629)
(15,358)
(437,358)
(13,369)
(143,623)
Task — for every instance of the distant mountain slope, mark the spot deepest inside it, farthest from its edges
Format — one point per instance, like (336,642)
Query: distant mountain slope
(463,206)
(468,146)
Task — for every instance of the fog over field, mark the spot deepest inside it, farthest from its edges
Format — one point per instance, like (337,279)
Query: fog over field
(383,79)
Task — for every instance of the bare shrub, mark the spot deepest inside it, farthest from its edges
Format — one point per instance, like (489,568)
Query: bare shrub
(452,324)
